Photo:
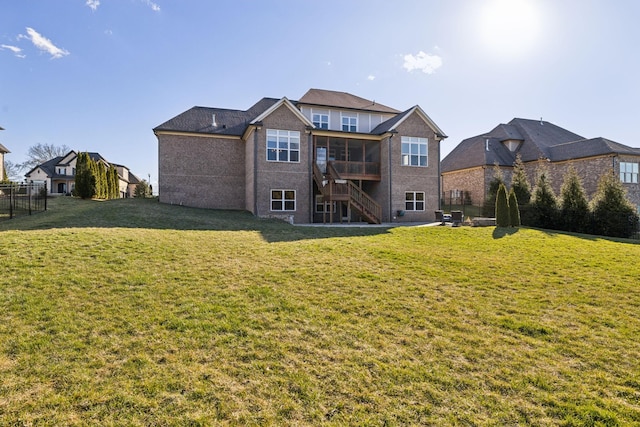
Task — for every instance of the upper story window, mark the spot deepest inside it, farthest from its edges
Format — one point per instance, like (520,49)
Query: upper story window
(349,122)
(414,151)
(629,172)
(320,120)
(283,145)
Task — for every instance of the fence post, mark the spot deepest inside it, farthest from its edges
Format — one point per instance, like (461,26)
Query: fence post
(10,201)
(46,193)
(29,186)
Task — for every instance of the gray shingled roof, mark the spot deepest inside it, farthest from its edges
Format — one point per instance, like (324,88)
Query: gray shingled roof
(331,98)
(49,167)
(540,139)
(387,125)
(472,152)
(588,148)
(228,122)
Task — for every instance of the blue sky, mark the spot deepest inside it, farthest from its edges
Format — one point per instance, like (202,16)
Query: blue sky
(98,75)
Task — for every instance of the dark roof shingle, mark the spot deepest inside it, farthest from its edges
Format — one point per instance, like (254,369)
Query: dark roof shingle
(540,139)
(228,122)
(331,98)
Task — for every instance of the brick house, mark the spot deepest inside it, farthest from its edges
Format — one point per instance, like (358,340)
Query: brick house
(59,174)
(328,157)
(470,166)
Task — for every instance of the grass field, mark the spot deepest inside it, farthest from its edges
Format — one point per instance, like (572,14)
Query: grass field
(130,312)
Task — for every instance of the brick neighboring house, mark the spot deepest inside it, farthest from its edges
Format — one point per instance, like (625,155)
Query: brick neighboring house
(328,157)
(3,151)
(59,174)
(470,166)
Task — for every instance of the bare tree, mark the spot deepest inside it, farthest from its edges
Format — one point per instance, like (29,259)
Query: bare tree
(11,171)
(40,153)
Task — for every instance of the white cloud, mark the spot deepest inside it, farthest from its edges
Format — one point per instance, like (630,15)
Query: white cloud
(152,5)
(93,4)
(424,62)
(16,50)
(44,44)
(371,77)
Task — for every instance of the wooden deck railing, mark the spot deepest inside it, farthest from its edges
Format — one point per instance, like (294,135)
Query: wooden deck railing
(361,200)
(357,169)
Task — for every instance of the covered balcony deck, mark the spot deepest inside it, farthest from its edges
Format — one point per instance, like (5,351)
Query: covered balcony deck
(352,159)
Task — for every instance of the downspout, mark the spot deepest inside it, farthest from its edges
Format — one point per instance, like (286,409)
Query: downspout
(255,170)
(439,140)
(389,177)
(312,200)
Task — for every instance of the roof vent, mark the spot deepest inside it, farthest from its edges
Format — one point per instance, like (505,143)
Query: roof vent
(213,120)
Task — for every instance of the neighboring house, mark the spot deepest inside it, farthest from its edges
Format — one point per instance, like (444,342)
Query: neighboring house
(59,174)
(128,181)
(3,151)
(470,166)
(328,157)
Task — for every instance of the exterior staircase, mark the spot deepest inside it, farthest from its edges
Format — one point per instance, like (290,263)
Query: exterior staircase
(335,188)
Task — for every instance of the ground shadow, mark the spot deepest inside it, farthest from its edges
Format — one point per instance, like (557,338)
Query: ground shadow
(500,232)
(68,212)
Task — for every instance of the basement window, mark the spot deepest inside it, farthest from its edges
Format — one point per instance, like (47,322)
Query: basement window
(414,201)
(283,200)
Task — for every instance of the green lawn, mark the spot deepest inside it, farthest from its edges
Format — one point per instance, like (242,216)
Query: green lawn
(130,312)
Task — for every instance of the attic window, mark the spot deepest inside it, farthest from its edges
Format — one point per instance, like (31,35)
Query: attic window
(512,144)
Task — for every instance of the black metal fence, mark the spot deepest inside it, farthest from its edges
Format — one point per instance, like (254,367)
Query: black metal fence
(17,199)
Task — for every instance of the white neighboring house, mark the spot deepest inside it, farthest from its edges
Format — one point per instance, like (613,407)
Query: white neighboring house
(3,151)
(59,174)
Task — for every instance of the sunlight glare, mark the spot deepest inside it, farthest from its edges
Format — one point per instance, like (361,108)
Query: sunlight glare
(510,28)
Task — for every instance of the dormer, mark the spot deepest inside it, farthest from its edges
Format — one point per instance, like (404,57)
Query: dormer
(512,144)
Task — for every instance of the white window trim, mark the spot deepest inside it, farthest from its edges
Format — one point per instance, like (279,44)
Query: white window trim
(322,113)
(319,196)
(283,200)
(414,140)
(289,134)
(414,201)
(627,177)
(350,116)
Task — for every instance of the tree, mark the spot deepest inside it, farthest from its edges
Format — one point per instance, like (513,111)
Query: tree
(613,214)
(85,180)
(143,189)
(574,207)
(544,205)
(514,212)
(490,200)
(114,182)
(11,171)
(502,207)
(41,153)
(101,180)
(520,182)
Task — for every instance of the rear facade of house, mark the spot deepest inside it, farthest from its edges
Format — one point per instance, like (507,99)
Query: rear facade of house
(328,157)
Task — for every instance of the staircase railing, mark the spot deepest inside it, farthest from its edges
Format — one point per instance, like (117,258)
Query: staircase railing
(361,200)
(366,204)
